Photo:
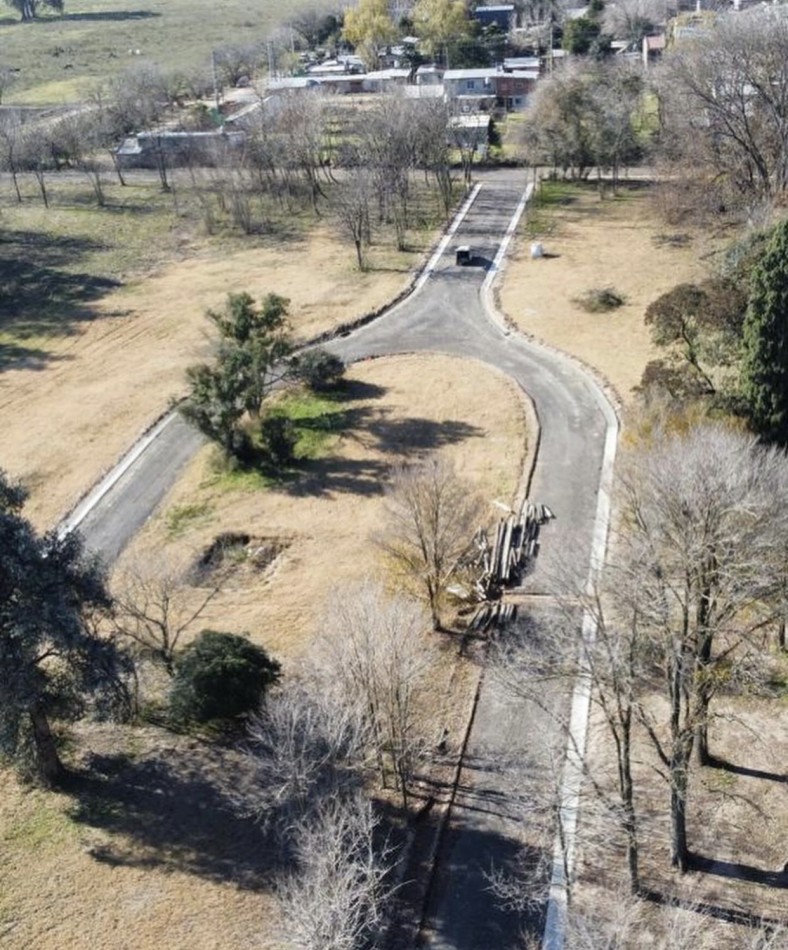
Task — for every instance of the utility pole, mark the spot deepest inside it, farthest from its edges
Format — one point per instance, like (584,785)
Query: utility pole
(215,83)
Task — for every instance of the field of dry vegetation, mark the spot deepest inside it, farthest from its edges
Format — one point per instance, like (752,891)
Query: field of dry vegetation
(737,822)
(151,850)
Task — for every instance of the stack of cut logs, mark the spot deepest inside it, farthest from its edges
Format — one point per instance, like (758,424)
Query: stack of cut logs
(503,562)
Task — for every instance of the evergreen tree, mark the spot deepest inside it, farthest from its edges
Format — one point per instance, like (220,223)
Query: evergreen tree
(52,660)
(765,361)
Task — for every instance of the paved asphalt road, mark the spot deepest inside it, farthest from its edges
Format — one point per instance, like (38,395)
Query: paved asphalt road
(447,315)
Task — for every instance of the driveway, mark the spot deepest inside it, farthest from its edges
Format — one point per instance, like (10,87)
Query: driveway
(447,315)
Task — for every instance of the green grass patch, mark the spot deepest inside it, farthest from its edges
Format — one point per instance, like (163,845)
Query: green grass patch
(318,418)
(539,220)
(58,56)
(180,518)
(42,826)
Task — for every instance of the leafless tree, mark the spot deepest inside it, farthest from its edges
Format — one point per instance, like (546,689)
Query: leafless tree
(377,653)
(154,607)
(237,61)
(431,145)
(302,121)
(703,514)
(350,200)
(10,147)
(724,99)
(631,20)
(388,147)
(37,155)
(432,515)
(580,644)
(336,899)
(310,746)
(7,79)
(316,22)
(583,118)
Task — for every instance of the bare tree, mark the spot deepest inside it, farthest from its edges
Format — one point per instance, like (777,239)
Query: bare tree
(432,515)
(703,516)
(37,155)
(431,144)
(302,121)
(582,641)
(336,899)
(10,147)
(7,79)
(631,20)
(154,607)
(724,99)
(310,746)
(350,204)
(378,655)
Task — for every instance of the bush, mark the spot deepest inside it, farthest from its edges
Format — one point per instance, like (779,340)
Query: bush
(319,369)
(278,438)
(220,676)
(600,300)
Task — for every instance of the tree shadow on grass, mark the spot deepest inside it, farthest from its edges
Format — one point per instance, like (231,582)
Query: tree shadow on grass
(367,476)
(724,765)
(175,814)
(729,915)
(40,296)
(111,15)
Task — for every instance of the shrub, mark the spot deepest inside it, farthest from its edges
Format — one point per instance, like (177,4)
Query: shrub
(220,676)
(600,300)
(278,438)
(319,369)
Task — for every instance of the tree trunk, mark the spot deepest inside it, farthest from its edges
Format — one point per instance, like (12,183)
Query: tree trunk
(781,635)
(116,164)
(42,187)
(702,742)
(679,780)
(628,802)
(50,768)
(16,186)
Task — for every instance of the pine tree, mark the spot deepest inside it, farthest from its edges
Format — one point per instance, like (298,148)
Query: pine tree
(765,360)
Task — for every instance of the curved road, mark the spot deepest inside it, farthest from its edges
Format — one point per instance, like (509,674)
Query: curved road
(446,314)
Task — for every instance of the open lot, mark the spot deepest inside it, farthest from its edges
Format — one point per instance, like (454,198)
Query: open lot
(104,308)
(59,58)
(592,244)
(151,852)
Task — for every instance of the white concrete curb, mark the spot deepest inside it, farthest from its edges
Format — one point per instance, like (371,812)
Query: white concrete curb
(75,518)
(572,779)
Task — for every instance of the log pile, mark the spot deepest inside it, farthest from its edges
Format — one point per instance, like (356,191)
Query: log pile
(505,559)
(501,559)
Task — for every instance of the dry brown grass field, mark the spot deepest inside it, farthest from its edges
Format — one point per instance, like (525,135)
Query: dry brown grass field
(112,375)
(149,851)
(592,244)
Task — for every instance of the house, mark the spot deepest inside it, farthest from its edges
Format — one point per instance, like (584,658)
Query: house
(429,75)
(514,89)
(469,132)
(383,80)
(516,63)
(341,66)
(653,48)
(152,149)
(470,90)
(503,16)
